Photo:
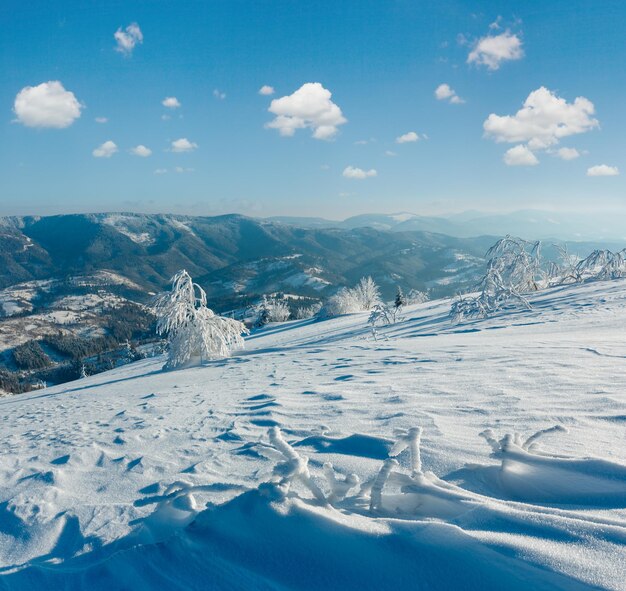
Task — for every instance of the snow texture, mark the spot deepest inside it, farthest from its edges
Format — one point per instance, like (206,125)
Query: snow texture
(485,455)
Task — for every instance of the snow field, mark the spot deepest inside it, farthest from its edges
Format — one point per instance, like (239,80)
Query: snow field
(297,463)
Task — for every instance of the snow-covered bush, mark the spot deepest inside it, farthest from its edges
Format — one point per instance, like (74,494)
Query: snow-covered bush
(416,297)
(343,302)
(193,330)
(494,296)
(382,315)
(598,265)
(367,293)
(602,264)
(363,297)
(517,262)
(304,312)
(272,309)
(513,268)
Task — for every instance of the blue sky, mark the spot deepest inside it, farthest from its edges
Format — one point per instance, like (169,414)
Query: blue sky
(381,62)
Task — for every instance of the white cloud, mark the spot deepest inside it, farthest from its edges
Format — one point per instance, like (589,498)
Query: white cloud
(171,102)
(105,150)
(520,156)
(568,153)
(308,107)
(350,172)
(141,150)
(183,145)
(603,170)
(411,136)
(127,39)
(46,105)
(160,171)
(544,119)
(390,153)
(266,90)
(180,169)
(101,120)
(492,50)
(443,92)
(219,95)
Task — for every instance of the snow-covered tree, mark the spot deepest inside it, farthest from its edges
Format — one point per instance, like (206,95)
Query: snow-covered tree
(603,264)
(517,262)
(194,332)
(360,298)
(367,293)
(513,268)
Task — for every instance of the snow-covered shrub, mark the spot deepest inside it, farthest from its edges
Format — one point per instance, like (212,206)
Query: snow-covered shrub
(376,495)
(367,293)
(292,466)
(272,309)
(381,315)
(343,302)
(598,265)
(363,297)
(193,330)
(517,262)
(304,312)
(339,487)
(494,296)
(416,297)
(602,264)
(528,444)
(513,267)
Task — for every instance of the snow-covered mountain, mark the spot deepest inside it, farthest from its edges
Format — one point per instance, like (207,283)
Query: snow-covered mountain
(198,479)
(228,255)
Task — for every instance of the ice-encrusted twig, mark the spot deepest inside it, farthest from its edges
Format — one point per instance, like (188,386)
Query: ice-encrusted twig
(554,429)
(410,439)
(338,488)
(509,439)
(379,483)
(294,465)
(489,436)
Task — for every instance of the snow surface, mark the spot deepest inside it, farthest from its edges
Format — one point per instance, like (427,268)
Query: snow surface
(144,479)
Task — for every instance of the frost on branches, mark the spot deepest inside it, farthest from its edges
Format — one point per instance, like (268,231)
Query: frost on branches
(195,334)
(362,297)
(272,309)
(513,268)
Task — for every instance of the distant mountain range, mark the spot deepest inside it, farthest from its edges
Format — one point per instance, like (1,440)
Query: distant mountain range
(233,254)
(529,224)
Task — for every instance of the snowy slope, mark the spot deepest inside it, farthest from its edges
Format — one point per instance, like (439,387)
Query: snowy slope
(138,478)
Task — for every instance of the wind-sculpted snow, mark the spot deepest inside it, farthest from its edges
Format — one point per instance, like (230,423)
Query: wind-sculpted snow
(484,455)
